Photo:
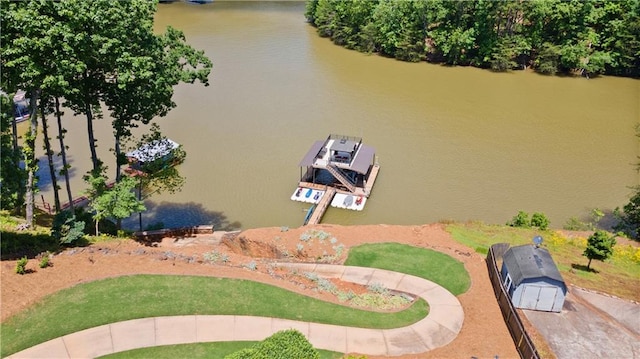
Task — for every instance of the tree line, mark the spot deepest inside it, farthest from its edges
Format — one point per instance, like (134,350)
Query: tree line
(587,37)
(85,56)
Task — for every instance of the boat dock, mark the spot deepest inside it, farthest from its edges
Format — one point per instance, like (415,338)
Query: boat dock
(340,172)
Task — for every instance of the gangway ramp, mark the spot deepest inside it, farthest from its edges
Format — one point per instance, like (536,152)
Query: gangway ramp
(322,206)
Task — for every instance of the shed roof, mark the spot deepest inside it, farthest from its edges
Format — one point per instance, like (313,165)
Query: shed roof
(528,262)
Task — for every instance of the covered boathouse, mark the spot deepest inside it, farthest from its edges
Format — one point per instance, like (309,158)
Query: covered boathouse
(342,162)
(532,279)
(339,171)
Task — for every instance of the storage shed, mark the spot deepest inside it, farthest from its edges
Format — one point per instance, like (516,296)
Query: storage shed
(532,279)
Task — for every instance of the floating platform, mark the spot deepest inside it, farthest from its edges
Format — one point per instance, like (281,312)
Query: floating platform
(307,195)
(341,200)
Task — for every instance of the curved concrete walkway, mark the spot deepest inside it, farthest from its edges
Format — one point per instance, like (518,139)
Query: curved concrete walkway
(437,329)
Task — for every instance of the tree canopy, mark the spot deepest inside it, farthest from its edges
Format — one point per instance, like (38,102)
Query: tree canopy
(93,54)
(11,175)
(589,37)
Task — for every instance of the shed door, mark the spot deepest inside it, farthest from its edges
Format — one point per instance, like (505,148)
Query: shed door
(538,298)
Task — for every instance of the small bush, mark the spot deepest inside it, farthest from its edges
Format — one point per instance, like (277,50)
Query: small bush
(45,259)
(305,237)
(21,265)
(540,220)
(214,257)
(67,228)
(251,265)
(346,296)
(211,257)
(378,288)
(313,276)
(520,220)
(286,344)
(326,285)
(322,235)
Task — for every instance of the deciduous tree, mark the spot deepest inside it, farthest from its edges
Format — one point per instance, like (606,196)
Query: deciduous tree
(116,202)
(11,175)
(160,173)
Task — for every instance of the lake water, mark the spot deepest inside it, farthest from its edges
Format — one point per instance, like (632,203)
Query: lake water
(454,143)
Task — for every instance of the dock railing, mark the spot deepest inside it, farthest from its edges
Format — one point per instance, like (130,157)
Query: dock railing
(521,339)
(334,136)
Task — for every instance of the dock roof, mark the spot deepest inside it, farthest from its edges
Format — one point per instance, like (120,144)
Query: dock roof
(363,159)
(310,157)
(360,163)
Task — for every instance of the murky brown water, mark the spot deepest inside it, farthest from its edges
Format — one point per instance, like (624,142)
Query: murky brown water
(453,143)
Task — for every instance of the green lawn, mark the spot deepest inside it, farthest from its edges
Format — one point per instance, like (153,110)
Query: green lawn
(420,262)
(197,350)
(435,266)
(194,350)
(123,298)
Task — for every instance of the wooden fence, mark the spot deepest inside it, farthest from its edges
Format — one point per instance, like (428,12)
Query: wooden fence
(523,342)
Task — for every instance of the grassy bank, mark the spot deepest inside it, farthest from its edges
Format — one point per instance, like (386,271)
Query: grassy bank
(420,262)
(619,276)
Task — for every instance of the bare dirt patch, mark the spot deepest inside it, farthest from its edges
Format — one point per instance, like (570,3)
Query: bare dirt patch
(249,254)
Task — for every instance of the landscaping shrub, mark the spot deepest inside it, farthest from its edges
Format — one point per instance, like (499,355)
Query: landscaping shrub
(21,265)
(286,344)
(45,259)
(27,243)
(67,228)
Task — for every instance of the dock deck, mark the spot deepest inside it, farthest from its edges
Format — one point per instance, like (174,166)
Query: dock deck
(322,206)
(372,179)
